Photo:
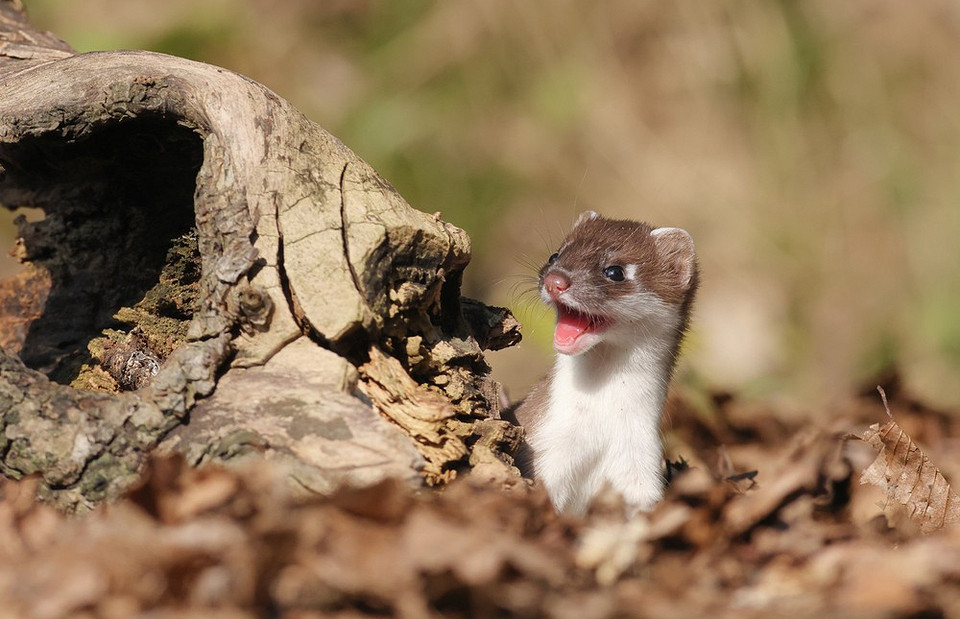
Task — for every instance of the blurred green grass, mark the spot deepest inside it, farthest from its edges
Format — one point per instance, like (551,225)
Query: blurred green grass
(811,149)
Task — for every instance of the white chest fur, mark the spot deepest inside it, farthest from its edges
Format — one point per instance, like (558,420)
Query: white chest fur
(602,426)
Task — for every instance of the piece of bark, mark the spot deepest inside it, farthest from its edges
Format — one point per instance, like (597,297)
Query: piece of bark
(421,413)
(322,435)
(299,242)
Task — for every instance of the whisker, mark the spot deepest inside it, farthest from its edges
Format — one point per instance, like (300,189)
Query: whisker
(528,262)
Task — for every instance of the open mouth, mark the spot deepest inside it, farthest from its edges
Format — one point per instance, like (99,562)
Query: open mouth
(572,326)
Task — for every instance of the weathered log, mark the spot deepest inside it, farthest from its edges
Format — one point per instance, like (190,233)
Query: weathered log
(212,270)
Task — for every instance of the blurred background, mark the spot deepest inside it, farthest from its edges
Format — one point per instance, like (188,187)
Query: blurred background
(812,150)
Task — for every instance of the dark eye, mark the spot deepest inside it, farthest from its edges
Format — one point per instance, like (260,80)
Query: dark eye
(553,258)
(614,273)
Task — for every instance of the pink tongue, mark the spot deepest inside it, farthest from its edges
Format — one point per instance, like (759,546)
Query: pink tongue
(570,326)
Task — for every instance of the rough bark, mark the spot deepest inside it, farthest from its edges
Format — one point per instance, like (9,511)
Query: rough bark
(218,272)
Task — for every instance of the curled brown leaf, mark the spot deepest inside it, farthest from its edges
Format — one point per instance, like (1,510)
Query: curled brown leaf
(908,478)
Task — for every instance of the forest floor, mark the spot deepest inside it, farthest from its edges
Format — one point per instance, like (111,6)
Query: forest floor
(771,517)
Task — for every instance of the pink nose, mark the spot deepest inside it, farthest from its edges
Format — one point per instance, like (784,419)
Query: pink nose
(555,283)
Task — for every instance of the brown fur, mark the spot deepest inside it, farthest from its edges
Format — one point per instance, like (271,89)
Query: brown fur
(596,243)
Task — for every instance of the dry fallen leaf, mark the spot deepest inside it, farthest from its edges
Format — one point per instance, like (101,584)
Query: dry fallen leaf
(814,460)
(212,542)
(908,477)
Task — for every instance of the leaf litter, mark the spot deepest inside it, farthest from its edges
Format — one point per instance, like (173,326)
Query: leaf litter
(764,519)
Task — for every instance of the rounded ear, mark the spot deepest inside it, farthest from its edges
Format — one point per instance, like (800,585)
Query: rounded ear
(675,247)
(585,216)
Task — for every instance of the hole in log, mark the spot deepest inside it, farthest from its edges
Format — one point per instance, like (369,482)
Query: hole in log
(113,268)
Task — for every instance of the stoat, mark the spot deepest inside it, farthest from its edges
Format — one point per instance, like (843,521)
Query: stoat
(622,291)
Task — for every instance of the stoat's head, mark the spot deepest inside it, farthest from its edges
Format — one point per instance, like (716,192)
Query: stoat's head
(617,280)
